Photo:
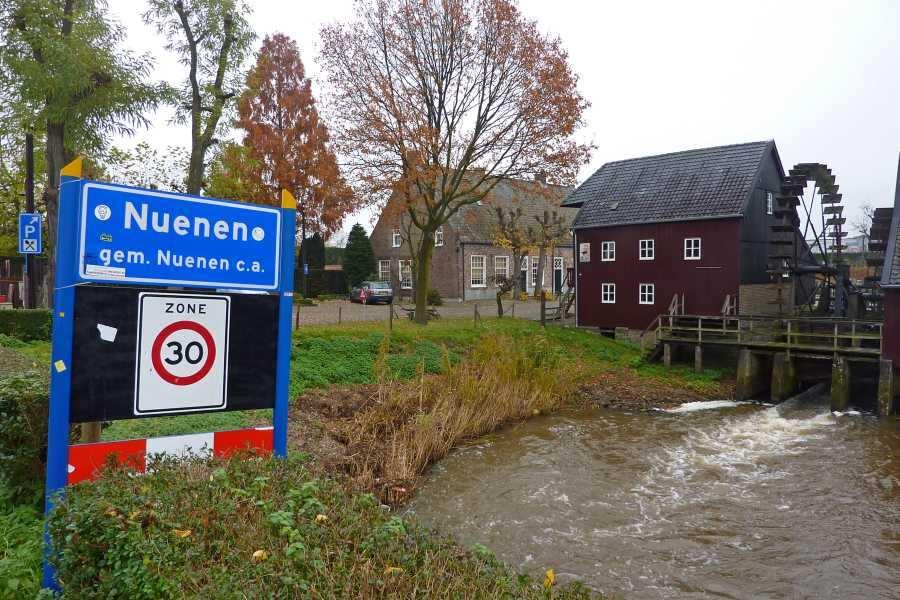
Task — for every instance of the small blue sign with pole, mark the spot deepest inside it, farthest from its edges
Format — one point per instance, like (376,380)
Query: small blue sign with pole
(30,241)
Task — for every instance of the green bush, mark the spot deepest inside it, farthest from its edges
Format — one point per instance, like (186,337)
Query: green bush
(253,527)
(26,325)
(24,401)
(434,297)
(21,545)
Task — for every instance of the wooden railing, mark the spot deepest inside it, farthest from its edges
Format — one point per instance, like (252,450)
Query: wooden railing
(797,334)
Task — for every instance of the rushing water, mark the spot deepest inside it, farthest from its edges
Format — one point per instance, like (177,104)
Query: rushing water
(736,501)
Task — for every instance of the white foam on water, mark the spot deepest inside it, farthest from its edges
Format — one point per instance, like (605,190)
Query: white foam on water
(720,461)
(703,405)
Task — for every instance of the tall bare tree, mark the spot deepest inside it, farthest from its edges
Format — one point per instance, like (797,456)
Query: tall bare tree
(437,101)
(212,38)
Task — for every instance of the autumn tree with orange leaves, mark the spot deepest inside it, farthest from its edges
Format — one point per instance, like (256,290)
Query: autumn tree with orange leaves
(436,101)
(285,145)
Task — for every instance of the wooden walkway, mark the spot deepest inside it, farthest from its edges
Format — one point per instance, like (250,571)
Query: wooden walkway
(815,337)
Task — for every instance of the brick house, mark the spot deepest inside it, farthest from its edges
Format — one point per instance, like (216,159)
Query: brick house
(466,259)
(693,224)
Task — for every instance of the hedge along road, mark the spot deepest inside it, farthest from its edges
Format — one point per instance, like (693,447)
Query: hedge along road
(326,312)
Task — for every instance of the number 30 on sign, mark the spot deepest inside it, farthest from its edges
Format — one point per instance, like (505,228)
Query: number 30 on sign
(182,353)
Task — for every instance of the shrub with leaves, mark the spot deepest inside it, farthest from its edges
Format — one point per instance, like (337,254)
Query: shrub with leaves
(434,298)
(24,402)
(252,527)
(26,325)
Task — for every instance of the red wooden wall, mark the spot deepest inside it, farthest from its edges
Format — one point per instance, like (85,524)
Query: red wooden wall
(891,331)
(704,282)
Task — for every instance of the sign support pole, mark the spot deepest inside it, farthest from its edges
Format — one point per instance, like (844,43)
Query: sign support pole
(285,310)
(61,350)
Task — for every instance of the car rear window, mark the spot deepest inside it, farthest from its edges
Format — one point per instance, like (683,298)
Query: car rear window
(379,285)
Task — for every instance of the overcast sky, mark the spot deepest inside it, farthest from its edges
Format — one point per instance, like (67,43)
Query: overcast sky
(820,78)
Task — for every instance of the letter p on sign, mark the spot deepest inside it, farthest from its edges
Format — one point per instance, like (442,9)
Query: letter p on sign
(182,353)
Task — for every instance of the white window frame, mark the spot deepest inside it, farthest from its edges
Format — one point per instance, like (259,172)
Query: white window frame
(497,270)
(534,272)
(607,251)
(647,293)
(607,293)
(689,248)
(405,284)
(384,265)
(770,203)
(396,240)
(439,237)
(647,249)
(483,269)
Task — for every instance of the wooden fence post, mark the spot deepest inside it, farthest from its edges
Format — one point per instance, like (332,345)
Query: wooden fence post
(297,317)
(391,315)
(340,310)
(543,308)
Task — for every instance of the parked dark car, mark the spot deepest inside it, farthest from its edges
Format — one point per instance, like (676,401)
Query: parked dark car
(372,292)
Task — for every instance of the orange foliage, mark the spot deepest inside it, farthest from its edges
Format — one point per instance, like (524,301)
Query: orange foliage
(286,141)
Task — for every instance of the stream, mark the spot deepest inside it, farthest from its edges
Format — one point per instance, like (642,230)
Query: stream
(713,500)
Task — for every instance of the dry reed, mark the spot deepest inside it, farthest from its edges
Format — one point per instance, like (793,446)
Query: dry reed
(416,423)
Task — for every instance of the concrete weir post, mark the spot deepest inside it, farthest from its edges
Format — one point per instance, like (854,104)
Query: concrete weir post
(840,383)
(667,355)
(885,388)
(698,358)
(784,377)
(751,380)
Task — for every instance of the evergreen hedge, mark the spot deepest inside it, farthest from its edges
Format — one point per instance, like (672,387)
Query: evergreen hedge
(27,325)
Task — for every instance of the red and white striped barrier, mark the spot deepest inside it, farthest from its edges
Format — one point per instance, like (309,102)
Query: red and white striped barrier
(85,460)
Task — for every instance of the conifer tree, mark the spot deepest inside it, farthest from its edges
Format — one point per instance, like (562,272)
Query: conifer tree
(359,260)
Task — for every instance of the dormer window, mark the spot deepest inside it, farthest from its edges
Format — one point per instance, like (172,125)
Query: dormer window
(439,237)
(395,239)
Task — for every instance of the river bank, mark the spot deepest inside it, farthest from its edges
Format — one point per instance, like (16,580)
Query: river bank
(452,382)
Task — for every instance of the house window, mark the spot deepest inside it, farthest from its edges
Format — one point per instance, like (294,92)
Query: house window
(439,237)
(395,240)
(647,293)
(608,293)
(691,248)
(648,249)
(501,267)
(534,270)
(607,251)
(770,203)
(384,270)
(405,274)
(476,273)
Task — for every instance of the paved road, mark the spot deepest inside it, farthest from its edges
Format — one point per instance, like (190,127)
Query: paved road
(325,313)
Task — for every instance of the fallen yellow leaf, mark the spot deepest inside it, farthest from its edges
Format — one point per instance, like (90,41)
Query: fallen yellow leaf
(550,579)
(260,555)
(321,518)
(393,571)
(182,533)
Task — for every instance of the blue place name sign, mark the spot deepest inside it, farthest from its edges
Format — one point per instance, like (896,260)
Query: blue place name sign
(130,235)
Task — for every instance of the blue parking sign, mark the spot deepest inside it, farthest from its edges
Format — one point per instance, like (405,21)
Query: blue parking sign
(30,241)
(138,236)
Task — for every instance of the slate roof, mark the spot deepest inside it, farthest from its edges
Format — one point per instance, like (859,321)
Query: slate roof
(478,222)
(890,276)
(680,186)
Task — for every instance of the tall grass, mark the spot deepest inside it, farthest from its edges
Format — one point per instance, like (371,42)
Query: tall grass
(415,423)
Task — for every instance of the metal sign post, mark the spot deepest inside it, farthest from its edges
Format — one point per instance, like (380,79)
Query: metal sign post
(126,345)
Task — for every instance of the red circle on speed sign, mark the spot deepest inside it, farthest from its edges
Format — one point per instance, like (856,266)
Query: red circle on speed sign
(156,352)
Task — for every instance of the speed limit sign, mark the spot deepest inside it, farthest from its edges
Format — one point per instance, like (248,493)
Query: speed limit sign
(182,353)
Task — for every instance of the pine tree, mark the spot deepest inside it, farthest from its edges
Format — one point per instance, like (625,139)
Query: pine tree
(359,260)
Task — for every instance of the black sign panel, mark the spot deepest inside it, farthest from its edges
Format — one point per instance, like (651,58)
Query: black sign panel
(105,350)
